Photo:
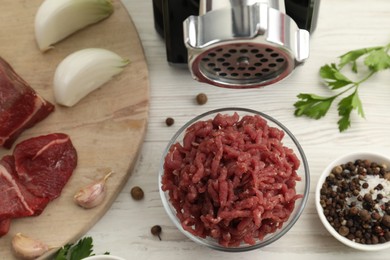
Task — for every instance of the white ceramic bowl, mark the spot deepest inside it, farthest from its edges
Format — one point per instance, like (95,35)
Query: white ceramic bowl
(374,157)
(302,187)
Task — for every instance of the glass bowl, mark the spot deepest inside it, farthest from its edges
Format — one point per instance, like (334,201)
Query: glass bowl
(342,160)
(294,206)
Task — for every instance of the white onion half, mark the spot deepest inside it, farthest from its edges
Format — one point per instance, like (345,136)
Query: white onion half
(57,19)
(84,71)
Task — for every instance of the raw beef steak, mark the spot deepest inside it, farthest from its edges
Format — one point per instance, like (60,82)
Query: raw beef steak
(34,175)
(45,163)
(20,106)
(16,201)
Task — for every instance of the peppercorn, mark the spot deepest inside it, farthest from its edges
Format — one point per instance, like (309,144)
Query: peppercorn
(364,215)
(379,197)
(386,220)
(350,236)
(358,234)
(379,187)
(349,223)
(344,231)
(367,197)
(387,235)
(337,169)
(201,99)
(137,193)
(336,224)
(169,121)
(353,214)
(374,240)
(156,231)
(378,230)
(355,192)
(353,211)
(375,216)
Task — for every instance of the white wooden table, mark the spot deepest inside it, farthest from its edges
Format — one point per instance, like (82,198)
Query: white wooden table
(343,25)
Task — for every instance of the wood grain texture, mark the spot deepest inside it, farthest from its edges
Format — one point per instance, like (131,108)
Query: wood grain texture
(343,25)
(107,127)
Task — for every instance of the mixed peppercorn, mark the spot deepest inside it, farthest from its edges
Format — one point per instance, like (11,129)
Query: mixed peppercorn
(355,201)
(201,98)
(137,193)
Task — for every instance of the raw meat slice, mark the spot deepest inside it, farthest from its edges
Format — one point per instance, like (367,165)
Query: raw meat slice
(20,106)
(16,200)
(4,226)
(45,163)
(34,175)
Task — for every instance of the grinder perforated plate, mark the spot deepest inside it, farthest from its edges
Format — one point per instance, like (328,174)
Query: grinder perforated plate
(243,65)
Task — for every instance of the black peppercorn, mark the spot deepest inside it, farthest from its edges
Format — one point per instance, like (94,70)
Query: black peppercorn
(379,187)
(358,234)
(375,216)
(169,121)
(382,240)
(387,235)
(374,240)
(353,211)
(364,215)
(378,230)
(349,223)
(386,220)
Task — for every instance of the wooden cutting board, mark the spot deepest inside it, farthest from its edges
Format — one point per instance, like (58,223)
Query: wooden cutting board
(107,128)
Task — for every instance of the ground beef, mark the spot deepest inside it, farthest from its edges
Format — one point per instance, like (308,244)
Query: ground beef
(232,179)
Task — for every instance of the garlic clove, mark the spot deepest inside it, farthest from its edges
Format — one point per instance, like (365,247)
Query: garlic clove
(26,247)
(93,194)
(84,71)
(57,19)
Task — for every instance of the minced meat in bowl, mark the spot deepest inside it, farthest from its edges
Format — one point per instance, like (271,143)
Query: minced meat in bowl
(234,179)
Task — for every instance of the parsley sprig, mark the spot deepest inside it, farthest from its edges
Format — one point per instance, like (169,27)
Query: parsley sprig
(375,59)
(82,249)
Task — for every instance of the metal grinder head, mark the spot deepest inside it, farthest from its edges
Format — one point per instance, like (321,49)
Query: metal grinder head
(243,43)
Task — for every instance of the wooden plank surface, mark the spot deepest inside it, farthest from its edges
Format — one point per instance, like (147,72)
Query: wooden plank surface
(343,25)
(107,128)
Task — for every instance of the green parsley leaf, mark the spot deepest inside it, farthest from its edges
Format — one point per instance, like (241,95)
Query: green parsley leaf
(81,250)
(378,60)
(354,67)
(63,252)
(345,107)
(312,105)
(352,56)
(333,77)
